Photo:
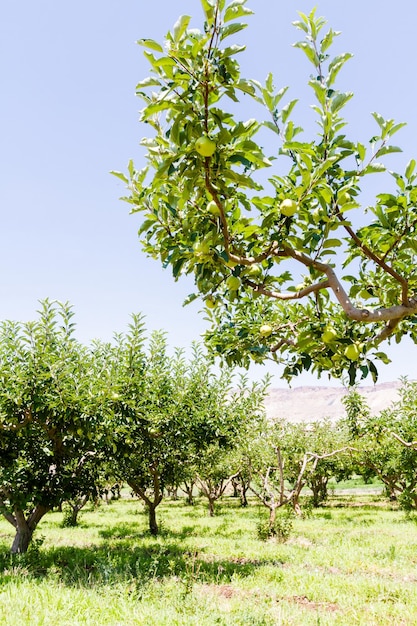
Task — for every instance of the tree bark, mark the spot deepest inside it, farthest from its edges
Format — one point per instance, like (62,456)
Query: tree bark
(153,525)
(26,528)
(211,502)
(151,504)
(272,516)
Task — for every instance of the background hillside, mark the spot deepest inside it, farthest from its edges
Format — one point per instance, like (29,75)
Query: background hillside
(306,404)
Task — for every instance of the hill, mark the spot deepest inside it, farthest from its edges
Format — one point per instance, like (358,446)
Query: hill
(307,404)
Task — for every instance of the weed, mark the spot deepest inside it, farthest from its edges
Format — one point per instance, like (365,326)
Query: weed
(279,530)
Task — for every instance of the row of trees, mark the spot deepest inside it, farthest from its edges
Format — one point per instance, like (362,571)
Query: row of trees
(74,417)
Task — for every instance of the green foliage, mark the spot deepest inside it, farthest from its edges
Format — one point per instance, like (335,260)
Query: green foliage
(52,417)
(387,443)
(334,262)
(280,530)
(172,416)
(285,457)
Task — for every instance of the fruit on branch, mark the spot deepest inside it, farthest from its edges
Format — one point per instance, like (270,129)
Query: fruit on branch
(329,335)
(205,146)
(211,302)
(233,283)
(265,330)
(213,208)
(352,352)
(288,207)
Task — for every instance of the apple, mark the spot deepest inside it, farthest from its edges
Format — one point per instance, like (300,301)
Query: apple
(344,198)
(213,208)
(201,249)
(352,352)
(329,335)
(205,146)
(210,302)
(288,207)
(254,271)
(233,283)
(265,330)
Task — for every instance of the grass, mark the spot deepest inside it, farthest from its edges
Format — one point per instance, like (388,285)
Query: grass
(353,561)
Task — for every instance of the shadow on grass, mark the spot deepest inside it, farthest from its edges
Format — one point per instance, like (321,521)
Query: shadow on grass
(122,561)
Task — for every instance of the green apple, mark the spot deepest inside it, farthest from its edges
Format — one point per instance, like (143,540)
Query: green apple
(233,283)
(205,146)
(211,302)
(329,335)
(288,207)
(344,198)
(352,352)
(254,271)
(201,248)
(213,208)
(265,330)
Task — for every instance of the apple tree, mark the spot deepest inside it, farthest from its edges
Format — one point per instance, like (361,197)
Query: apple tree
(240,413)
(285,457)
(52,418)
(386,443)
(169,411)
(296,266)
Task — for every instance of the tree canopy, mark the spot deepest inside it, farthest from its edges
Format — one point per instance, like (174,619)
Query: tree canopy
(52,418)
(294,266)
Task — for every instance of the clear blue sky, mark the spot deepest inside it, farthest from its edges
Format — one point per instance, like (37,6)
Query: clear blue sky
(68,115)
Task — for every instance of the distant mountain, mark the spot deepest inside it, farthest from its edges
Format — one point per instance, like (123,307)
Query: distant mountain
(307,404)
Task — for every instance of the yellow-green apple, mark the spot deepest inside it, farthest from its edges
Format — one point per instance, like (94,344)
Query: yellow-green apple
(329,335)
(352,352)
(265,330)
(205,146)
(288,207)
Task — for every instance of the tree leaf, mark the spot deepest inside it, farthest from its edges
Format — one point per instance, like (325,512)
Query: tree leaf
(151,44)
(180,27)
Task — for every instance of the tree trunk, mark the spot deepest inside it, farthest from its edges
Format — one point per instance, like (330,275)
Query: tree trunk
(236,488)
(211,506)
(22,540)
(272,516)
(153,525)
(189,488)
(151,504)
(296,506)
(26,528)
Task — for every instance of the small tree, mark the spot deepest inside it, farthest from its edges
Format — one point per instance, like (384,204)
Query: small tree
(168,413)
(330,442)
(51,418)
(286,457)
(217,471)
(387,443)
(291,269)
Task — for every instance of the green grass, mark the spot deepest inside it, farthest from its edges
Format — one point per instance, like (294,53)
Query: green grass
(351,562)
